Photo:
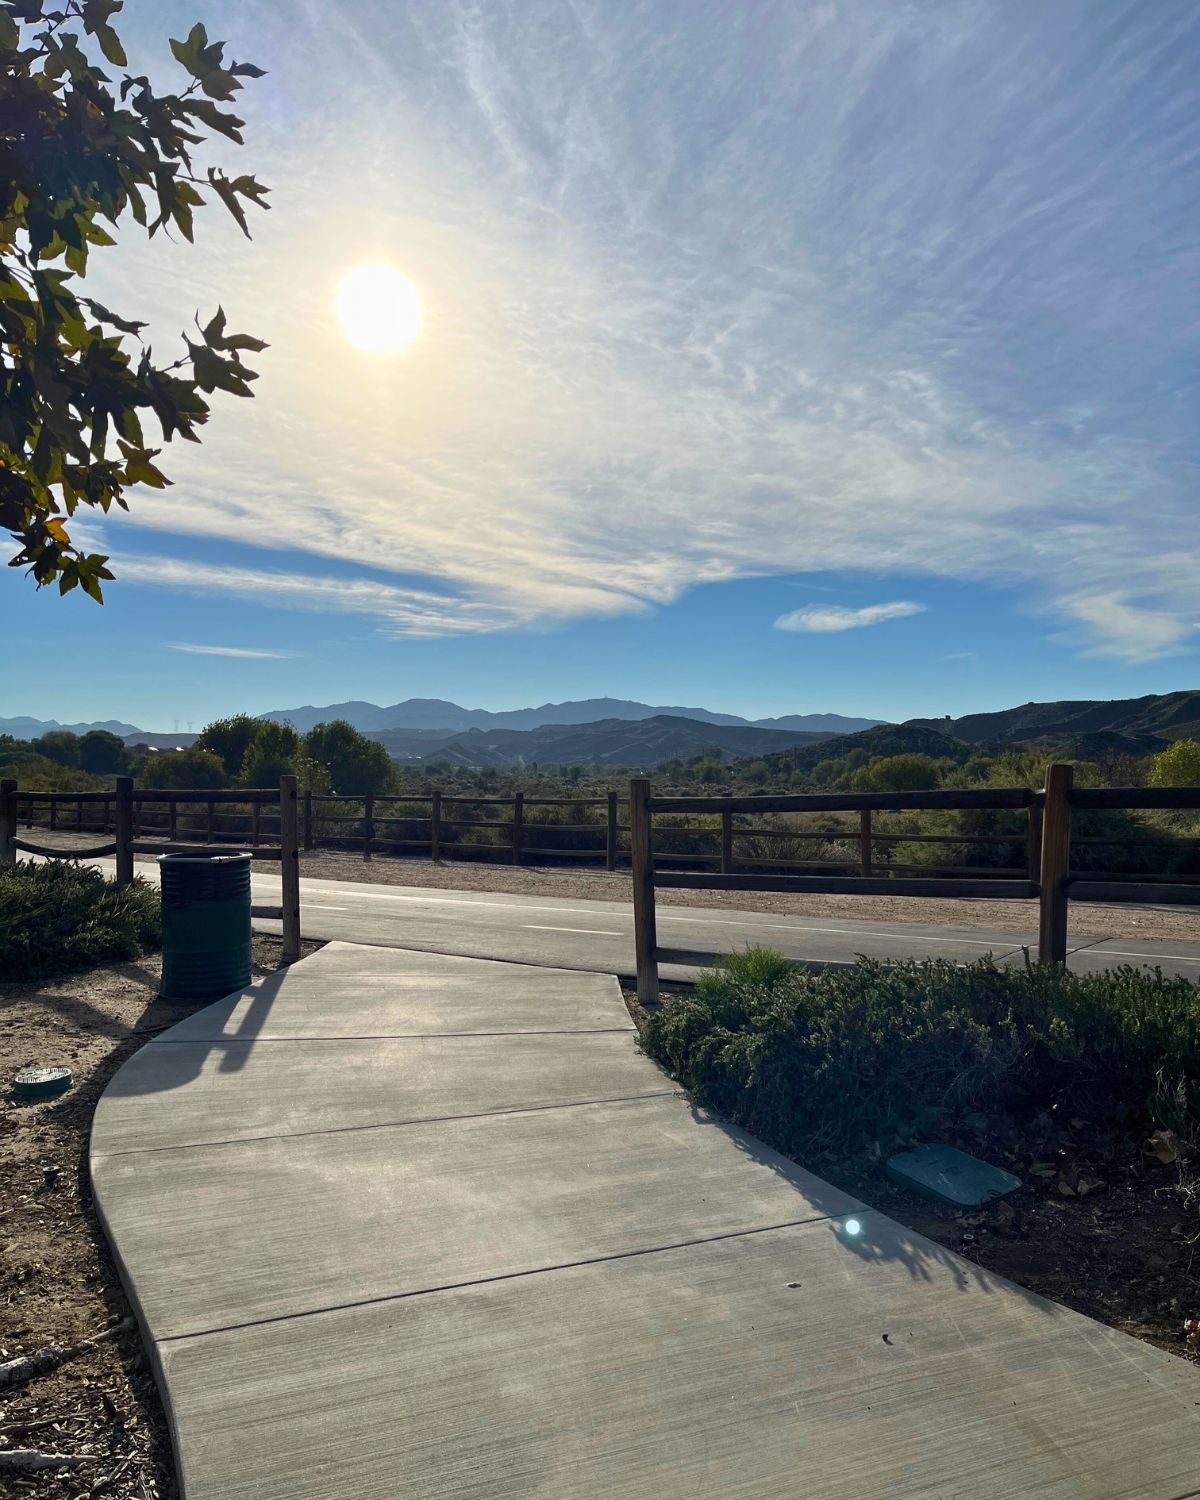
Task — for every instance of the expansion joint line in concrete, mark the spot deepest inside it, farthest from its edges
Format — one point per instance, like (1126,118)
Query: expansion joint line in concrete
(382,1036)
(297,1135)
(566,1265)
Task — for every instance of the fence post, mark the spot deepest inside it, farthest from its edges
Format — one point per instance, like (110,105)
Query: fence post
(53,810)
(518,825)
(1034,841)
(864,843)
(368,823)
(1056,862)
(726,842)
(123,829)
(610,837)
(107,815)
(209,835)
(173,820)
(308,822)
(645,933)
(289,867)
(435,826)
(254,821)
(8,820)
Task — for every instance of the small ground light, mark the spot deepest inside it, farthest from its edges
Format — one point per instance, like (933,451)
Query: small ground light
(851,1228)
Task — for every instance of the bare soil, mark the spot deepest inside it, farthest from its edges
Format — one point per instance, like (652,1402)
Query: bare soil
(58,1284)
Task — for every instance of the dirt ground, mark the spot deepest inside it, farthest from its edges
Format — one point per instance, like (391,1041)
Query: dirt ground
(1086,920)
(1099,1224)
(58,1285)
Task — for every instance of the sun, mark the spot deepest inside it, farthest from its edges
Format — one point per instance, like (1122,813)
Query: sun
(380,310)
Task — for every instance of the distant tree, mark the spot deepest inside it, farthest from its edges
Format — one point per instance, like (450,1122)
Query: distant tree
(896,773)
(356,765)
(102,753)
(272,754)
(76,154)
(184,770)
(1177,765)
(711,771)
(230,739)
(758,772)
(60,746)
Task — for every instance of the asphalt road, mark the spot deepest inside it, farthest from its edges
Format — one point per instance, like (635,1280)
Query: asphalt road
(598,935)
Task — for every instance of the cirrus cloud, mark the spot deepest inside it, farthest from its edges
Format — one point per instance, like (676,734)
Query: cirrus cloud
(782,289)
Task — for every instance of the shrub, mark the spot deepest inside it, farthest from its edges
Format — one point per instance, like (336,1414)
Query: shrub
(831,1061)
(1178,765)
(192,769)
(58,917)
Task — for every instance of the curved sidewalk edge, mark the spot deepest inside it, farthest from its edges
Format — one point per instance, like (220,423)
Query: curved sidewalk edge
(401,1224)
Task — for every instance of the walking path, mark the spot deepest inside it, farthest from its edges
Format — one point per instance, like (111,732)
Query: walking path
(405,1225)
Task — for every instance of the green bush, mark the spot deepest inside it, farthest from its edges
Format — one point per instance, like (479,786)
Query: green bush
(834,1060)
(58,917)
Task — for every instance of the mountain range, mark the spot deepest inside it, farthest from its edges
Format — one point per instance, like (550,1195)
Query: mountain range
(615,731)
(436,713)
(613,742)
(1084,726)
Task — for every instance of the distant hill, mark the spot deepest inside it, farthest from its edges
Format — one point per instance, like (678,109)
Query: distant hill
(438,714)
(615,742)
(32,729)
(884,739)
(1083,727)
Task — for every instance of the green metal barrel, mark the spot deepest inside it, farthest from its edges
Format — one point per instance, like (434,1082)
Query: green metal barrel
(206,924)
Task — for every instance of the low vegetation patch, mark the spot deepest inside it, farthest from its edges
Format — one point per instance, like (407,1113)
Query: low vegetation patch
(834,1061)
(1085,1086)
(60,917)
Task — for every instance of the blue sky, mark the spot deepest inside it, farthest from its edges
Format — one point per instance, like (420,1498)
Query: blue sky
(775,357)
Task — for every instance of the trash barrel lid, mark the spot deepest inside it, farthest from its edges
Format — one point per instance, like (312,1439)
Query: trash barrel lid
(41,1083)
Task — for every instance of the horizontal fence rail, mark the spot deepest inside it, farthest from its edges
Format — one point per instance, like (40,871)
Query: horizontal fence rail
(1046,838)
(1021,847)
(168,816)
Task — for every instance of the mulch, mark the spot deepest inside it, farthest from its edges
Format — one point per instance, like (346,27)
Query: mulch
(58,1284)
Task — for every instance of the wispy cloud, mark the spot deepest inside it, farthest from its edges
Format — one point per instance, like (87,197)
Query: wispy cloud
(238,651)
(784,289)
(408,611)
(823,620)
(1119,628)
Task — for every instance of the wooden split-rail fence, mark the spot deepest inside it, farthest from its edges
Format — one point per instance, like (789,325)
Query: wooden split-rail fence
(279,823)
(153,821)
(1049,877)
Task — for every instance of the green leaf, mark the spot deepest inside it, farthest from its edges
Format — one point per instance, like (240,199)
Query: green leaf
(10,35)
(110,45)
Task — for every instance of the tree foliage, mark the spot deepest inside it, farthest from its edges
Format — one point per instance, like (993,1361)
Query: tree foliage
(78,154)
(230,739)
(271,754)
(102,753)
(1178,765)
(186,770)
(356,765)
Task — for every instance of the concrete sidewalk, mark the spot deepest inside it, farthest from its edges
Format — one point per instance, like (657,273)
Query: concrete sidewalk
(399,1224)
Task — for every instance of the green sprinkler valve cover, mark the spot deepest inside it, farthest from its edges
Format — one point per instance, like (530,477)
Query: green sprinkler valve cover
(41,1083)
(950,1175)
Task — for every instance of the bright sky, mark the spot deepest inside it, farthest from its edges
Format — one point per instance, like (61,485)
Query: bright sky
(777,357)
